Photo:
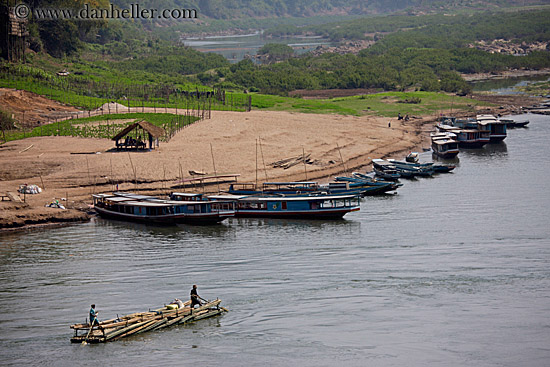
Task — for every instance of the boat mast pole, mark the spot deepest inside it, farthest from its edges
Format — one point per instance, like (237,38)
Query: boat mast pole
(214,164)
(342,159)
(304,159)
(256,164)
(263,161)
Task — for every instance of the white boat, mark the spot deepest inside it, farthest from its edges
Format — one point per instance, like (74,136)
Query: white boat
(444,144)
(496,127)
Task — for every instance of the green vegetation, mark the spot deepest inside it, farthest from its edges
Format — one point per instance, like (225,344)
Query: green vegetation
(6,121)
(433,30)
(381,104)
(420,69)
(104,126)
(90,92)
(538,88)
(273,52)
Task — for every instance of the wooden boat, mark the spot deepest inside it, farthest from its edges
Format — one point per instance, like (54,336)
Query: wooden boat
(418,169)
(430,167)
(308,188)
(385,176)
(312,206)
(497,128)
(368,186)
(293,187)
(444,145)
(141,322)
(149,209)
(382,166)
(467,138)
(412,157)
(510,123)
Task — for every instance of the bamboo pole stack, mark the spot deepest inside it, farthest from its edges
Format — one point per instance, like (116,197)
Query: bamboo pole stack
(140,322)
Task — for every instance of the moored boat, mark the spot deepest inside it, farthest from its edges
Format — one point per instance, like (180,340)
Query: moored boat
(511,123)
(496,127)
(467,138)
(412,157)
(313,206)
(428,167)
(150,209)
(444,145)
(381,166)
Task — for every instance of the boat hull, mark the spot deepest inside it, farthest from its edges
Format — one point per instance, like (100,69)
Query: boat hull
(472,144)
(497,138)
(295,214)
(196,219)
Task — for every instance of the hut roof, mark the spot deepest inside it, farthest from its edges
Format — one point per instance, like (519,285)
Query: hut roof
(155,131)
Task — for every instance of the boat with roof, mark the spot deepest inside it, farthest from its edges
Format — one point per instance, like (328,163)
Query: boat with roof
(306,206)
(496,127)
(149,209)
(444,144)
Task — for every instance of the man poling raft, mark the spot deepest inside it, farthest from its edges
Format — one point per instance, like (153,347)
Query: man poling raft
(140,322)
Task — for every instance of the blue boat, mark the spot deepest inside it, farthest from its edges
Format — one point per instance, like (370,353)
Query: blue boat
(362,188)
(295,187)
(154,210)
(370,186)
(292,206)
(428,166)
(381,166)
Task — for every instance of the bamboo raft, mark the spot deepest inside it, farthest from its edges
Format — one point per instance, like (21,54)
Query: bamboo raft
(141,322)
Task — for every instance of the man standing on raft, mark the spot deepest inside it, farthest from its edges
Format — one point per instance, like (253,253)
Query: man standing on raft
(195,298)
(93,316)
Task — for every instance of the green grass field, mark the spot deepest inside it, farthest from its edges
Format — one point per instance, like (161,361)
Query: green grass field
(380,104)
(103,126)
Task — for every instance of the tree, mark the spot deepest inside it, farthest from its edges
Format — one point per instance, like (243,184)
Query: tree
(274,52)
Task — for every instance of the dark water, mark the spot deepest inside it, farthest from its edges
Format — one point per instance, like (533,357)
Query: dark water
(451,271)
(235,48)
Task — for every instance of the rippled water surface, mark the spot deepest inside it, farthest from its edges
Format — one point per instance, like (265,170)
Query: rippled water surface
(451,271)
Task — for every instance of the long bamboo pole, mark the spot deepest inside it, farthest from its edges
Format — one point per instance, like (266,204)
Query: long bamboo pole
(263,161)
(304,159)
(214,164)
(342,159)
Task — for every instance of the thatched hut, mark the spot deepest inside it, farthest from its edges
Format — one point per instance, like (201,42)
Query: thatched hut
(142,129)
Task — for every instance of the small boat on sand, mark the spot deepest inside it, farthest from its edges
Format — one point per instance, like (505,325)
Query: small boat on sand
(141,322)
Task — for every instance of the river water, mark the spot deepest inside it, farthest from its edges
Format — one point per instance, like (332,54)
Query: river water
(237,47)
(507,85)
(451,271)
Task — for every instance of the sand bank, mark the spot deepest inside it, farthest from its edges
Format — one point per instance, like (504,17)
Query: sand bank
(74,168)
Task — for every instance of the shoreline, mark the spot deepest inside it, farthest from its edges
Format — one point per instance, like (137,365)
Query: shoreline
(504,74)
(73,178)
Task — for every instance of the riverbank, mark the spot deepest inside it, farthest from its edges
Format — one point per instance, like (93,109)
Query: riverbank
(515,73)
(71,169)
